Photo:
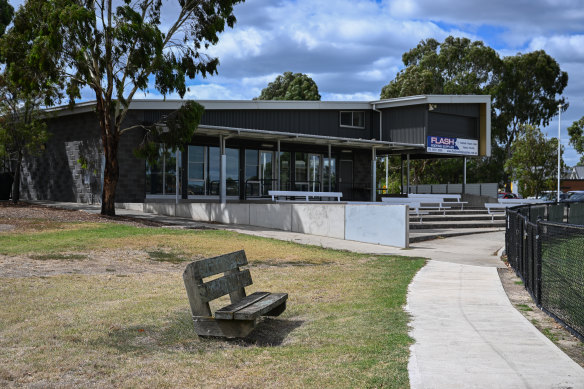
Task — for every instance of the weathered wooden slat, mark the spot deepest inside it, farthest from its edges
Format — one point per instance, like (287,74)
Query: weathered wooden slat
(207,326)
(227,312)
(264,305)
(222,286)
(198,306)
(210,266)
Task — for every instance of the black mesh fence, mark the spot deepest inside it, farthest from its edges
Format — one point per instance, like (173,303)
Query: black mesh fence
(547,253)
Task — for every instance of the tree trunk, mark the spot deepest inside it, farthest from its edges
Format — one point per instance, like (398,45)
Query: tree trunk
(110,139)
(16,182)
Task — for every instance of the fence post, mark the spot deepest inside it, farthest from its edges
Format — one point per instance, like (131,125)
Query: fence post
(538,260)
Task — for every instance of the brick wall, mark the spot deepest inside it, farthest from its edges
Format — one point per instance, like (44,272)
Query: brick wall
(70,168)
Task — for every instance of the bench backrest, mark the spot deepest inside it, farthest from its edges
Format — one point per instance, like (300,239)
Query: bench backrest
(521,201)
(232,282)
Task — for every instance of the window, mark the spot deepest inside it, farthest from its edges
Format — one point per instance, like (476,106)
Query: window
(353,119)
(204,171)
(161,173)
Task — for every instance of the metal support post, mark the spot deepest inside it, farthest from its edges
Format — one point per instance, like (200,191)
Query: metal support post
(408,176)
(222,171)
(373,175)
(330,177)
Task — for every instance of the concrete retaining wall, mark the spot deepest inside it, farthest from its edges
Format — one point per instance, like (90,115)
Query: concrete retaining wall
(363,222)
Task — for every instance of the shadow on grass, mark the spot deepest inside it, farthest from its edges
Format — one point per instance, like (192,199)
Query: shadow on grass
(178,334)
(271,332)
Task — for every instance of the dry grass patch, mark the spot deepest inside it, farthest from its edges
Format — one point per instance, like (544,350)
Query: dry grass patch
(344,326)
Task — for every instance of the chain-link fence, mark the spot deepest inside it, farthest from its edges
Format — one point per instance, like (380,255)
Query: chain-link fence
(545,246)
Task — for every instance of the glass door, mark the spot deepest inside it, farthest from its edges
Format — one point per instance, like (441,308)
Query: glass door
(314,172)
(266,170)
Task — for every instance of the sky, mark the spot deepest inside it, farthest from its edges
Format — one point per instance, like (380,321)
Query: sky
(352,48)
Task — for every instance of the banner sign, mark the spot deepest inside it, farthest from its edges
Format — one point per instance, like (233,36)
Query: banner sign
(444,145)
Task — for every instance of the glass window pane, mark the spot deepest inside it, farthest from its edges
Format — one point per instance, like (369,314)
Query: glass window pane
(300,167)
(329,174)
(314,173)
(358,119)
(251,165)
(196,163)
(214,161)
(232,172)
(285,170)
(346,118)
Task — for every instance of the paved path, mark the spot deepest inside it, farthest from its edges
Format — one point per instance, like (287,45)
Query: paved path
(467,334)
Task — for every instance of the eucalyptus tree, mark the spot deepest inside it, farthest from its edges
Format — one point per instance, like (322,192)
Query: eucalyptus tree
(290,86)
(118,49)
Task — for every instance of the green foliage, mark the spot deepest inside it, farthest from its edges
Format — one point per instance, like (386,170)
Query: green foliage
(290,86)
(576,132)
(523,89)
(526,94)
(6,14)
(456,66)
(533,161)
(116,49)
(175,132)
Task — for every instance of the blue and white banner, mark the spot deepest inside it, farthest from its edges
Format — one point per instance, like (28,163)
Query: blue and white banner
(458,146)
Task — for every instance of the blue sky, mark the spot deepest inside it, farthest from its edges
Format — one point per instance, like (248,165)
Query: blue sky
(352,48)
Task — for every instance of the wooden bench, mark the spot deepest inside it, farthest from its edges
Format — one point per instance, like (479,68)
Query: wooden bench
(298,193)
(237,319)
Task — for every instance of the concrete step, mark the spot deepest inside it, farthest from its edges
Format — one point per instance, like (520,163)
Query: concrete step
(430,234)
(455,211)
(455,218)
(456,224)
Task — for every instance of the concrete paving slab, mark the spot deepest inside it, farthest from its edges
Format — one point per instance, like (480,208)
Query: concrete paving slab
(468,335)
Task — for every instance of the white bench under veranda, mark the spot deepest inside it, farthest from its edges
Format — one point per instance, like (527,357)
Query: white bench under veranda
(455,198)
(297,193)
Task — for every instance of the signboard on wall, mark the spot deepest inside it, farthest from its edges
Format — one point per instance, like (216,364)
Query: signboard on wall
(458,146)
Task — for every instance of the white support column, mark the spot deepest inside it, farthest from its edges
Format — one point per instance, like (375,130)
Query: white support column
(464,177)
(408,176)
(330,177)
(222,171)
(177,178)
(386,173)
(373,175)
(278,166)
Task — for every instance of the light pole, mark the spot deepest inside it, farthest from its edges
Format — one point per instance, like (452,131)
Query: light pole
(559,147)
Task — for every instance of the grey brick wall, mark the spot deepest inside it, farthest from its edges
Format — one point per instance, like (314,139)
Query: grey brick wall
(70,168)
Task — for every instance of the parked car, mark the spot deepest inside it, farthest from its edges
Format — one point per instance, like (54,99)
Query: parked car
(574,196)
(507,195)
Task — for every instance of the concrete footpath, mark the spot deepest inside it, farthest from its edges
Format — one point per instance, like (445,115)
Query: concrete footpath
(467,334)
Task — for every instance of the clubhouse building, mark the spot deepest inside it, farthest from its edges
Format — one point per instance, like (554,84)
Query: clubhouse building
(243,149)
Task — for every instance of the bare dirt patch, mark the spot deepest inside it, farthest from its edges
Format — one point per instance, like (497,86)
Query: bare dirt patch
(114,262)
(27,216)
(522,301)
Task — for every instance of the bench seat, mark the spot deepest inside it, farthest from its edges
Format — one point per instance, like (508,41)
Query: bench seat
(239,318)
(253,306)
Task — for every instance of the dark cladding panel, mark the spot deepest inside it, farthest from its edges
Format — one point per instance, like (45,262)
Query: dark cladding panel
(458,109)
(453,126)
(312,122)
(405,124)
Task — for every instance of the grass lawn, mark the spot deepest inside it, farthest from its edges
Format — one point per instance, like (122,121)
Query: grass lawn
(344,327)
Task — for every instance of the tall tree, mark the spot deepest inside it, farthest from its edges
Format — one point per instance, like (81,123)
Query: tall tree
(116,51)
(533,161)
(576,132)
(526,93)
(524,87)
(455,66)
(290,86)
